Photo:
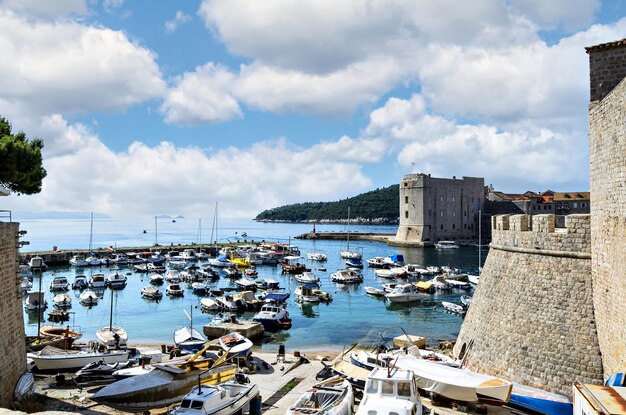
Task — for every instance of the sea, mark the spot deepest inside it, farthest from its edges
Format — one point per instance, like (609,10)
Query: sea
(352,316)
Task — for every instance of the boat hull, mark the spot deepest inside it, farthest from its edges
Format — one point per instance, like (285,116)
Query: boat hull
(76,361)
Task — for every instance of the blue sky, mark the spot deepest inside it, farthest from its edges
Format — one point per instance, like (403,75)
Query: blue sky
(167,107)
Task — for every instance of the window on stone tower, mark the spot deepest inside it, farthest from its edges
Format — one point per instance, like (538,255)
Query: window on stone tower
(406,214)
(406,199)
(453,227)
(441,227)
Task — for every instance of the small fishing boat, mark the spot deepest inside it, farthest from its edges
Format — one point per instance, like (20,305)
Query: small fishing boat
(59,332)
(316,256)
(229,303)
(199,287)
(209,304)
(354,263)
(235,344)
(333,396)
(80,283)
(251,272)
(226,398)
(454,308)
(79,261)
(376,262)
(384,273)
(88,298)
(439,282)
(35,301)
(152,293)
(466,300)
(377,292)
(51,358)
(390,391)
(346,276)
(116,280)
(308,278)
(175,290)
(404,293)
(447,245)
(250,301)
(59,283)
(62,301)
(305,294)
(276,297)
(461,285)
(37,263)
(390,287)
(25,285)
(58,316)
(424,287)
(220,262)
(112,337)
(232,272)
(172,275)
(93,261)
(245,284)
(119,259)
(267,283)
(97,281)
(473,279)
(156,279)
(162,386)
(273,317)
(187,338)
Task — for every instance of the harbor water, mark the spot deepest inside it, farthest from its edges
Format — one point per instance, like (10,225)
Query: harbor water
(352,316)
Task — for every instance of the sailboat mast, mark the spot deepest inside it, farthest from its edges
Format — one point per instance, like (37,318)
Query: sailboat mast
(348,229)
(111,312)
(91,233)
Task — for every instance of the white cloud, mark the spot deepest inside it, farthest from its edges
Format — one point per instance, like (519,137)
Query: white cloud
(245,181)
(572,14)
(337,93)
(46,9)
(67,67)
(179,19)
(202,96)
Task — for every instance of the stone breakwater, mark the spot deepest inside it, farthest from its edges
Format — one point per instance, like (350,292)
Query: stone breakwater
(532,316)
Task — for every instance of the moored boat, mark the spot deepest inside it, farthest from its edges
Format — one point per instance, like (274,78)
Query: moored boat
(235,344)
(151,292)
(454,308)
(116,280)
(62,301)
(35,301)
(59,283)
(404,293)
(175,290)
(377,292)
(273,317)
(346,276)
(226,398)
(88,298)
(333,396)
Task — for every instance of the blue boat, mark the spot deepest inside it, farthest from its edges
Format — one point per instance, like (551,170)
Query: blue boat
(539,401)
(276,297)
(273,317)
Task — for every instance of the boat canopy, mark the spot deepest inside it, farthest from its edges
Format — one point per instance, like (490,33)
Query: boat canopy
(222,258)
(397,257)
(424,285)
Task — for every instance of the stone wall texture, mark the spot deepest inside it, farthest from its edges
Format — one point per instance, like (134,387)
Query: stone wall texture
(12,345)
(607,153)
(607,68)
(532,319)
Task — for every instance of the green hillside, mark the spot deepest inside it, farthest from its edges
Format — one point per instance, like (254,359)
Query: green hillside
(377,206)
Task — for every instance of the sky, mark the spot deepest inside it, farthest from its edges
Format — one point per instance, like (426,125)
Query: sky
(166,107)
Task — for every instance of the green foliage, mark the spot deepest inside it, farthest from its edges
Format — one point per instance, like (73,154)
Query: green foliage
(376,204)
(21,164)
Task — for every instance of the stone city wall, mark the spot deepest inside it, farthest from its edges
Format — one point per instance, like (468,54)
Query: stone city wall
(607,153)
(12,344)
(532,320)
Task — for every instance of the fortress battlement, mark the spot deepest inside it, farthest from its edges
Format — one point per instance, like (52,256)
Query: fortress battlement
(539,234)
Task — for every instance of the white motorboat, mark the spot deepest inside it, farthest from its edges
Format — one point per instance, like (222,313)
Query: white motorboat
(333,396)
(98,280)
(227,302)
(305,294)
(62,301)
(466,300)
(235,344)
(189,339)
(112,337)
(189,255)
(174,290)
(245,284)
(384,273)
(473,279)
(316,256)
(37,263)
(350,254)
(116,280)
(79,261)
(404,293)
(307,278)
(220,262)
(354,263)
(454,308)
(199,287)
(377,292)
(35,301)
(376,262)
(209,304)
(151,292)
(59,283)
(390,391)
(461,285)
(273,317)
(172,276)
(156,279)
(60,359)
(226,398)
(345,276)
(439,282)
(88,298)
(456,384)
(93,261)
(447,245)
(120,259)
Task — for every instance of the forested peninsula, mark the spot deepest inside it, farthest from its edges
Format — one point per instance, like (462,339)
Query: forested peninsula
(380,206)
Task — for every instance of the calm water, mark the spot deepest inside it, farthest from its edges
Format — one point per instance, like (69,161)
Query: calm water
(352,316)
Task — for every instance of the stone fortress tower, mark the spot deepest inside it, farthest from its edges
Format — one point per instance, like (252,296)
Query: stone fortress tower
(434,209)
(549,309)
